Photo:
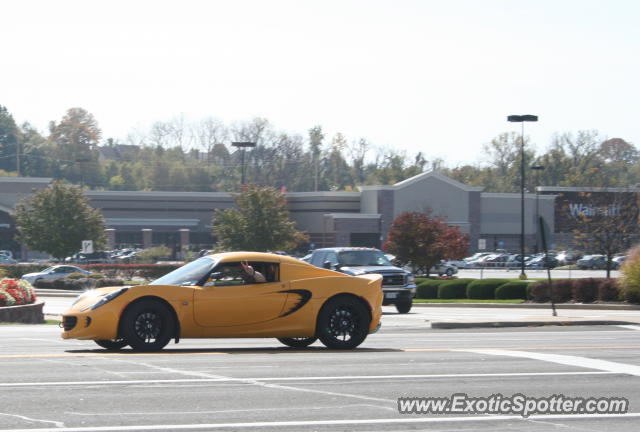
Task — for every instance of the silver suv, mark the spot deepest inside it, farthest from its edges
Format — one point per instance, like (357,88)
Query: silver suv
(398,285)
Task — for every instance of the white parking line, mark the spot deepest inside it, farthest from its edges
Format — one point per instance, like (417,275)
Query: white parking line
(289,379)
(603,365)
(631,327)
(310,423)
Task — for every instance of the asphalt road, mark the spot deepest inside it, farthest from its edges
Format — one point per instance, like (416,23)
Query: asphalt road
(246,384)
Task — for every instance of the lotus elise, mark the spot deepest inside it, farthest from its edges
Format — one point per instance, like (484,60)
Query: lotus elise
(217,297)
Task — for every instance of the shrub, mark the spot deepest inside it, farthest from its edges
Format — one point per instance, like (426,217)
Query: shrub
(609,290)
(428,289)
(154,253)
(538,292)
(96,276)
(453,289)
(561,290)
(630,276)
(16,292)
(105,282)
(77,275)
(512,290)
(585,290)
(484,289)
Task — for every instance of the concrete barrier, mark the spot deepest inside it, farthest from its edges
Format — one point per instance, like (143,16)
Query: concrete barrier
(27,314)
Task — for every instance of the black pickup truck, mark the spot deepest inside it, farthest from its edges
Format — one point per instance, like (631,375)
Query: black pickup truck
(398,285)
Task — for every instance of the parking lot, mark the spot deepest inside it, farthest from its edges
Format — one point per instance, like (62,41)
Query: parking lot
(244,384)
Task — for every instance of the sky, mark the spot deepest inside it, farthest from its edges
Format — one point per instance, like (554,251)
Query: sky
(437,77)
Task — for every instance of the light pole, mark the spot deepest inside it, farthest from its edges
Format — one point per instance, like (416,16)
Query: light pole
(537,168)
(243,145)
(522,119)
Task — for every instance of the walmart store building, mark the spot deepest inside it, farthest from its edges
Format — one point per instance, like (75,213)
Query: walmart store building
(362,218)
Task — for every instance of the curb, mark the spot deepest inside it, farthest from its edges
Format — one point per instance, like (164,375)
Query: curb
(57,293)
(599,306)
(498,324)
(25,314)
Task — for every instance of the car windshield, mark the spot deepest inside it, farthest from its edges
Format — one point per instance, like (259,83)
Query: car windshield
(187,275)
(363,258)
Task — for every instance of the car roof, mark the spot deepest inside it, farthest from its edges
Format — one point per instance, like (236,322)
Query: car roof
(254,256)
(346,248)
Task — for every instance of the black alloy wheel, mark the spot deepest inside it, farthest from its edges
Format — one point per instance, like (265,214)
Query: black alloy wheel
(112,344)
(343,323)
(298,342)
(147,325)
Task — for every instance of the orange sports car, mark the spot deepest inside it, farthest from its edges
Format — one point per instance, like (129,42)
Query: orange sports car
(232,295)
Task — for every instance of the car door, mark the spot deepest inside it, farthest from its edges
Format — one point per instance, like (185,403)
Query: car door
(231,301)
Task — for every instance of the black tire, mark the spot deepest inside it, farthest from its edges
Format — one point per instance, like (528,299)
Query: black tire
(343,323)
(449,272)
(301,342)
(112,344)
(147,325)
(404,307)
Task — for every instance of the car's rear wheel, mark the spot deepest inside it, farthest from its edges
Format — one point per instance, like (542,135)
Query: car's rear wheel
(112,344)
(301,342)
(449,272)
(147,325)
(343,323)
(404,307)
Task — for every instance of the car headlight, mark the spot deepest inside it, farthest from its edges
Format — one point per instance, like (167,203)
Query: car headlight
(411,278)
(106,299)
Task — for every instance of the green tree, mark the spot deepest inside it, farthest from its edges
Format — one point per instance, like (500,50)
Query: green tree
(421,240)
(9,137)
(259,223)
(75,140)
(57,219)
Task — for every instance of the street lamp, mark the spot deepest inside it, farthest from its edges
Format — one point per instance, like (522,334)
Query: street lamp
(537,168)
(243,145)
(522,119)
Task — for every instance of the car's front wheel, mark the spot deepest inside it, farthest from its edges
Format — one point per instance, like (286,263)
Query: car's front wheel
(343,323)
(112,344)
(301,342)
(147,325)
(404,307)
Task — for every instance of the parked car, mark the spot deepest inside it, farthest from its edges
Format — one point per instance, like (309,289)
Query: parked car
(568,257)
(398,285)
(53,272)
(444,268)
(592,262)
(542,262)
(5,259)
(298,304)
(616,262)
(89,258)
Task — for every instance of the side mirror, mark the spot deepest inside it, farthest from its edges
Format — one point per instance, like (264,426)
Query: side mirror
(327,265)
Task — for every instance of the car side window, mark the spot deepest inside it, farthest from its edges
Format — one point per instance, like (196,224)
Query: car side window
(232,273)
(332,257)
(318,258)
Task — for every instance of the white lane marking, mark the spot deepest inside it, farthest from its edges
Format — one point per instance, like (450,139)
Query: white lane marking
(244,410)
(630,327)
(603,365)
(308,423)
(260,383)
(57,424)
(280,379)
